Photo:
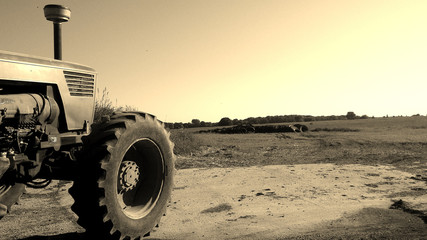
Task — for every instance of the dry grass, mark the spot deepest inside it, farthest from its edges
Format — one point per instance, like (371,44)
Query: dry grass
(186,143)
(401,142)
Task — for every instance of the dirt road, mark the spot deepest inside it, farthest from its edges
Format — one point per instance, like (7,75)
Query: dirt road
(312,201)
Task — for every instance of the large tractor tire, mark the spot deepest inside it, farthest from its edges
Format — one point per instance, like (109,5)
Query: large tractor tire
(126,177)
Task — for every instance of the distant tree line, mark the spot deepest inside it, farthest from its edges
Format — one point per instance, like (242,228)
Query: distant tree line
(225,121)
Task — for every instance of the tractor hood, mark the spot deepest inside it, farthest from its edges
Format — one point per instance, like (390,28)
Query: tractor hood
(6,56)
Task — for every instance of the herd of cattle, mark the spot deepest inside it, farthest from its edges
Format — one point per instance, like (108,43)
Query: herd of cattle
(249,128)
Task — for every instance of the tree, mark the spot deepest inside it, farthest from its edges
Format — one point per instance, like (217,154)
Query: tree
(299,118)
(195,122)
(225,121)
(236,121)
(351,116)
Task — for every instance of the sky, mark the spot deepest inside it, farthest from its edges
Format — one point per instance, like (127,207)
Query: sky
(197,59)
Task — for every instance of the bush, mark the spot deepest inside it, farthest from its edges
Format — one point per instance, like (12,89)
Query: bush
(185,142)
(104,107)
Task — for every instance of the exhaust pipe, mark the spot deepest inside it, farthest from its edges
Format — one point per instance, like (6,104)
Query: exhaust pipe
(57,14)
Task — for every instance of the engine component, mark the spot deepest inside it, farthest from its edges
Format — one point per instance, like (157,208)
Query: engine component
(28,109)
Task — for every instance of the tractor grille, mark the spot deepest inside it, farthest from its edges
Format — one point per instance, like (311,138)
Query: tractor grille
(80,84)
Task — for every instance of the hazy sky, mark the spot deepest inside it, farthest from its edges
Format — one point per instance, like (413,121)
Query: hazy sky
(211,59)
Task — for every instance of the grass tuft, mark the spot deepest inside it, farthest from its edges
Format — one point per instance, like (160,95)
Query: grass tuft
(186,143)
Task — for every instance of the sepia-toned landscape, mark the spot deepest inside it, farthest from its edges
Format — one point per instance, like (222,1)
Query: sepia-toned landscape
(344,179)
(96,143)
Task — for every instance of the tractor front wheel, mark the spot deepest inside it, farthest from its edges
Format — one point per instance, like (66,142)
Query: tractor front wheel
(126,177)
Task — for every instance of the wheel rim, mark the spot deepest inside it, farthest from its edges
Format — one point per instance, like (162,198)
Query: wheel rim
(140,178)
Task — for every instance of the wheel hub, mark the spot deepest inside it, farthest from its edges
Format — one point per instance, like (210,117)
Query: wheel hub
(129,175)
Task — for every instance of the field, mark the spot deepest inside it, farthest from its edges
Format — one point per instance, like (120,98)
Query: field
(400,142)
(337,181)
(353,179)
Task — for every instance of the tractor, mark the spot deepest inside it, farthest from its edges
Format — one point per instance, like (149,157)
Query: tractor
(122,167)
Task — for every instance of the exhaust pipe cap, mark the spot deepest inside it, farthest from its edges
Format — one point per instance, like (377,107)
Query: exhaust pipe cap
(57,13)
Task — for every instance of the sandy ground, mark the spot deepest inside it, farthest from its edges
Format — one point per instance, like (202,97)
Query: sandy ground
(312,201)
